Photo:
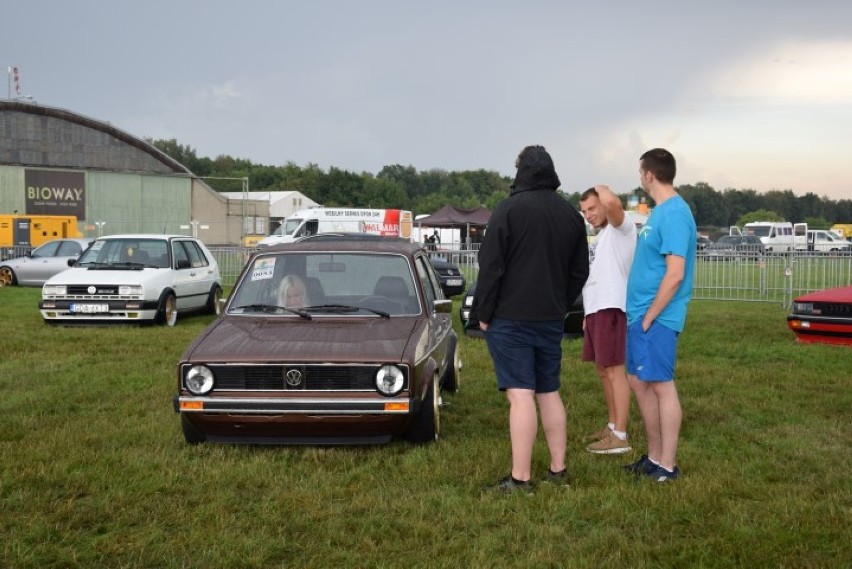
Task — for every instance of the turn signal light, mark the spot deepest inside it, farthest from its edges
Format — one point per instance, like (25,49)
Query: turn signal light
(192,405)
(396,406)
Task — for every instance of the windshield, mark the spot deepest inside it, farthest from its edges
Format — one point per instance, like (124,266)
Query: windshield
(758,230)
(122,252)
(323,284)
(289,226)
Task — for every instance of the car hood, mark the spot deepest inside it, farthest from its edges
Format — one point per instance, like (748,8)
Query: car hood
(279,339)
(834,295)
(75,275)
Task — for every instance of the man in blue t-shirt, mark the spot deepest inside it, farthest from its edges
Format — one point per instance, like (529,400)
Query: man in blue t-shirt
(658,291)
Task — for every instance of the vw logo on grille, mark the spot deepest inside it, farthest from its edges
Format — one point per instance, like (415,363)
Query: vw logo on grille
(293,377)
(92,290)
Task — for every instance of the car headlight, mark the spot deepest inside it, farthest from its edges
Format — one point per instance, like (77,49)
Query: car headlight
(199,380)
(54,290)
(803,308)
(390,380)
(130,290)
(468,301)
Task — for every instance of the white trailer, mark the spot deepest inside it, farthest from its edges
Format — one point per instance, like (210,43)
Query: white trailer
(311,221)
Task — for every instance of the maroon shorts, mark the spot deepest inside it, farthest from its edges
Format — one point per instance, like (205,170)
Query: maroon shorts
(605,337)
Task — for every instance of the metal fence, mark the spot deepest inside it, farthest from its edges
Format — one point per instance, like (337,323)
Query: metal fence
(777,278)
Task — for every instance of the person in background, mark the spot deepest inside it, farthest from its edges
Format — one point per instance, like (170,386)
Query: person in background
(658,292)
(292,292)
(533,263)
(604,303)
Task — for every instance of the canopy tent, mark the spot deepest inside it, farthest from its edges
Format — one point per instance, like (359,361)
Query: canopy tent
(449,216)
(471,222)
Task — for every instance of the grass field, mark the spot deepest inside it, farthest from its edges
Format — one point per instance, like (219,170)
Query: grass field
(95,472)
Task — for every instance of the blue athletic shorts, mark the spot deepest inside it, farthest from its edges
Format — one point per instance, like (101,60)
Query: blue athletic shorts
(526,355)
(651,355)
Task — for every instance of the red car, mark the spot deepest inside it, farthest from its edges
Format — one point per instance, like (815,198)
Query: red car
(824,316)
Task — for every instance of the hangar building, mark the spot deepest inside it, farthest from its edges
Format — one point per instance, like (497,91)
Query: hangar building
(55,162)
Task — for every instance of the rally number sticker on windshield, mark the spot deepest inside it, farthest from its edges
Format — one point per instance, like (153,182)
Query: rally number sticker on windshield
(263,269)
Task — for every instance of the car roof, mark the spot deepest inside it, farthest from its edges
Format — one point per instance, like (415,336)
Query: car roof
(347,243)
(146,236)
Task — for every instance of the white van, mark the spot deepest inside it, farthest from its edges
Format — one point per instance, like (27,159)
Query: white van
(776,235)
(305,222)
(822,240)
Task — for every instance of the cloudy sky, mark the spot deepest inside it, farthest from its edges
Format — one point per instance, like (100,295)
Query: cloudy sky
(745,94)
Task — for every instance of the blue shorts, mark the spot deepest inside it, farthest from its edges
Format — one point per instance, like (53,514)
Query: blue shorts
(651,355)
(526,355)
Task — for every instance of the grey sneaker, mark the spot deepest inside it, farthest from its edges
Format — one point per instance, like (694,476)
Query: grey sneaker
(560,477)
(508,485)
(603,433)
(610,444)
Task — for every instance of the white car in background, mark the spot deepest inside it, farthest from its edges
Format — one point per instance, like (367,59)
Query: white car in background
(134,279)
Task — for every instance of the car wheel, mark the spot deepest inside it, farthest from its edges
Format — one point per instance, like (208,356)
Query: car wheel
(167,311)
(450,381)
(7,277)
(213,304)
(427,424)
(190,432)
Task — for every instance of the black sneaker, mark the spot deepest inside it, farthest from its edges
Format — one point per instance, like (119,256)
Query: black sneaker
(660,474)
(560,477)
(508,485)
(641,466)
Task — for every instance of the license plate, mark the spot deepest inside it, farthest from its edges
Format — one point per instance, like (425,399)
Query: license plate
(454,282)
(89,308)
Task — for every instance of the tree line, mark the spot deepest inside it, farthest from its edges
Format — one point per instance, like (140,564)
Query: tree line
(427,191)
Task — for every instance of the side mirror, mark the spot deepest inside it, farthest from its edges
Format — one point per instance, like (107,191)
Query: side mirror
(222,303)
(183,264)
(72,262)
(444,306)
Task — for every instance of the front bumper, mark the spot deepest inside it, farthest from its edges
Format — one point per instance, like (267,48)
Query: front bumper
(821,329)
(309,420)
(116,310)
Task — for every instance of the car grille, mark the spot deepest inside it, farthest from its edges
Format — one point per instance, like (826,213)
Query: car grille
(274,377)
(833,309)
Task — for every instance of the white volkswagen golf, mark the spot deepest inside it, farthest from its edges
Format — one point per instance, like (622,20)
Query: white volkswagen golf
(134,279)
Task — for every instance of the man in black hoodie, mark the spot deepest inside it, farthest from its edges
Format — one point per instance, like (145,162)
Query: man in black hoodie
(533,263)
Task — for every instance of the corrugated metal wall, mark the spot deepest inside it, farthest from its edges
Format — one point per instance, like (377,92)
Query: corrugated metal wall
(132,203)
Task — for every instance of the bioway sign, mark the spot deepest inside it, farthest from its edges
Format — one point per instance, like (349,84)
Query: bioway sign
(52,192)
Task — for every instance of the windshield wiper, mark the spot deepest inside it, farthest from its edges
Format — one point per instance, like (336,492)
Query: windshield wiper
(272,309)
(345,308)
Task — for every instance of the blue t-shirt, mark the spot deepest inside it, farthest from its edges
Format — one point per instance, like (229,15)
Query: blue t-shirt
(669,230)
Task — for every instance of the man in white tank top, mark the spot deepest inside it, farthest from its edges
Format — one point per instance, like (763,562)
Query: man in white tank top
(604,302)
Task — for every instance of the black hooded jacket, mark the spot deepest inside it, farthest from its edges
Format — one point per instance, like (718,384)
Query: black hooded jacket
(534,258)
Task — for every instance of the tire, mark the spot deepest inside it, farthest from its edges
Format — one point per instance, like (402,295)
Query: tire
(213,306)
(190,433)
(451,380)
(7,277)
(426,427)
(167,311)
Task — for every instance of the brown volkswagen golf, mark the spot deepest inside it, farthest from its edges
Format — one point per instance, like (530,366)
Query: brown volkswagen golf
(327,341)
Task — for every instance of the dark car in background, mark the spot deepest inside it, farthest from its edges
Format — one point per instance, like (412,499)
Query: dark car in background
(363,356)
(452,279)
(573,320)
(730,247)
